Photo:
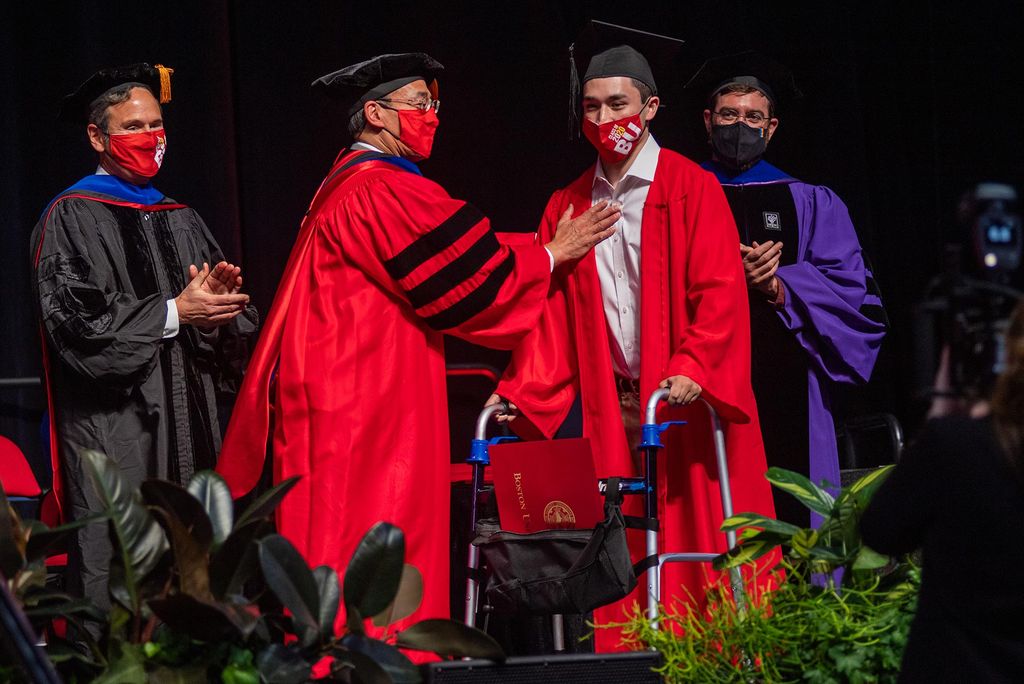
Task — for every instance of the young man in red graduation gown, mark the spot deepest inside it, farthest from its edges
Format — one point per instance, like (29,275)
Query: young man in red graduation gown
(384,264)
(663,303)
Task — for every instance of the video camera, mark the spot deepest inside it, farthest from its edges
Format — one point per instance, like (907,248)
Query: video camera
(959,327)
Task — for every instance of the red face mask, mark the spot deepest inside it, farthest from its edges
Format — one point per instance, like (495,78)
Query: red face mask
(614,140)
(417,128)
(141,153)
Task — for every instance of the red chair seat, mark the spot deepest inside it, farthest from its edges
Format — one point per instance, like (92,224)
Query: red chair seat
(58,561)
(15,474)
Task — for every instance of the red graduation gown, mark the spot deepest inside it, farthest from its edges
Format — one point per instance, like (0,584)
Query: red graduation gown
(385,261)
(693,322)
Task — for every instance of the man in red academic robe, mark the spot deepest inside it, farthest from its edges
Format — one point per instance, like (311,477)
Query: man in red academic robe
(663,303)
(384,264)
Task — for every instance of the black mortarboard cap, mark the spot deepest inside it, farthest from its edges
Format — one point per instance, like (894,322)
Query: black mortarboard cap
(748,68)
(76,105)
(376,77)
(604,50)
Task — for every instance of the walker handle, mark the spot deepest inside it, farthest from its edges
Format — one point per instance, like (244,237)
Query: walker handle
(478,448)
(658,395)
(485,417)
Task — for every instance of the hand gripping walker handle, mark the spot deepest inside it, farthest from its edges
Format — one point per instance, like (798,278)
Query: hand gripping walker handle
(478,448)
(651,436)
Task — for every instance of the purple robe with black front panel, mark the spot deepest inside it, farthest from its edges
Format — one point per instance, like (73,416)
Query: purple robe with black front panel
(829,329)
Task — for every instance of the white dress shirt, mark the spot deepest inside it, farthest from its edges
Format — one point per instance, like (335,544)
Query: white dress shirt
(618,257)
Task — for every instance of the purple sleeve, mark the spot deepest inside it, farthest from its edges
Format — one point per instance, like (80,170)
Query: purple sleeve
(828,305)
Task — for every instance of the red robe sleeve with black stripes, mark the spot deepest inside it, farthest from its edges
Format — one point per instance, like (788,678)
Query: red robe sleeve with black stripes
(440,255)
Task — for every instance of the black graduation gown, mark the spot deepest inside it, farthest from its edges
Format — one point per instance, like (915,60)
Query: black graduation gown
(104,267)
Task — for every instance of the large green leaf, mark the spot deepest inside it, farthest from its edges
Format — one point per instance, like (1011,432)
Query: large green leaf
(865,487)
(869,559)
(290,579)
(745,553)
(60,650)
(51,605)
(805,491)
(803,541)
(365,669)
(849,517)
(280,664)
(125,665)
(118,585)
(85,644)
(204,620)
(448,638)
(841,530)
(375,570)
(177,500)
(407,600)
(11,558)
(741,520)
(329,591)
(213,493)
(120,620)
(29,580)
(267,502)
(237,559)
(191,557)
(138,538)
(43,541)
(398,667)
(750,534)
(829,554)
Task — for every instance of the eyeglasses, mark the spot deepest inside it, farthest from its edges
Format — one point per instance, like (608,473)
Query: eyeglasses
(729,116)
(422,105)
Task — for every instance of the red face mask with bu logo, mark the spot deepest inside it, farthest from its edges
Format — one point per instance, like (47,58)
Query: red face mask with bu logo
(614,140)
(141,153)
(417,128)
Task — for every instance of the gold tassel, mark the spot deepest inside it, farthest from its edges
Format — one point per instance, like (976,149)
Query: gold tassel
(165,83)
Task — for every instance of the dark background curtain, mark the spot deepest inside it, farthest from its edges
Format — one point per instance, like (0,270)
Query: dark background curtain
(907,105)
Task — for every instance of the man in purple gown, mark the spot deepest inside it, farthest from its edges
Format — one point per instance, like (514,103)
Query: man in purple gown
(816,316)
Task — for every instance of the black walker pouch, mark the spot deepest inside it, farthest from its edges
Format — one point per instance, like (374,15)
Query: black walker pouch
(562,571)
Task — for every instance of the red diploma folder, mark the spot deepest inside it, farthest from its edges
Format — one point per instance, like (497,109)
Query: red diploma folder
(546,484)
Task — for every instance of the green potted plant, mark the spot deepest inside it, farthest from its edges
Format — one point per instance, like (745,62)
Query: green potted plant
(202,594)
(839,611)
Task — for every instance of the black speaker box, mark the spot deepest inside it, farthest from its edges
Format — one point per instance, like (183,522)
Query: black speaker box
(634,667)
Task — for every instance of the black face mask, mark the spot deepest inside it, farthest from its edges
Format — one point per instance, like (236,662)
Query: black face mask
(738,146)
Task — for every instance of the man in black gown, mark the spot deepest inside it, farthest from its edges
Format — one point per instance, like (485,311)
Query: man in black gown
(140,332)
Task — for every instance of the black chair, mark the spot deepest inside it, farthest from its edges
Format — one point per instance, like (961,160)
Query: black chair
(866,443)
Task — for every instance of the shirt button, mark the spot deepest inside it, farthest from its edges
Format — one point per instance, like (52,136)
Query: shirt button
(629,345)
(615,239)
(619,274)
(625,310)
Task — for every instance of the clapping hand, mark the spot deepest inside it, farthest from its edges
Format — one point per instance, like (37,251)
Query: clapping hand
(760,262)
(209,302)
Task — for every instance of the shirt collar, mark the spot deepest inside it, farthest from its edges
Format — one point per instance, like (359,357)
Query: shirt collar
(643,166)
(360,145)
